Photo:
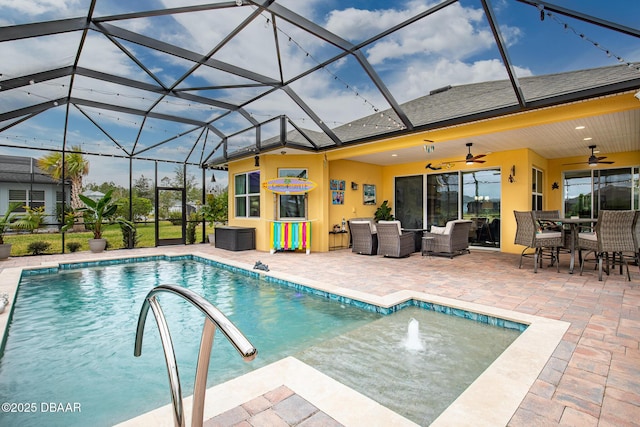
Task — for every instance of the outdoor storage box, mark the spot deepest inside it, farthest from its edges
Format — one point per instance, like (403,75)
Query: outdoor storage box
(235,238)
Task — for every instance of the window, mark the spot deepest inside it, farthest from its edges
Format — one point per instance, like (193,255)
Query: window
(36,199)
(586,192)
(247,194)
(18,196)
(31,198)
(292,206)
(536,190)
(409,201)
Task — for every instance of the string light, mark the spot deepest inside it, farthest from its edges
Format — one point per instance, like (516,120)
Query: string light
(335,76)
(583,36)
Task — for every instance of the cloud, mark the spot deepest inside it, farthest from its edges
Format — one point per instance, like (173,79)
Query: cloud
(456,31)
(420,80)
(53,9)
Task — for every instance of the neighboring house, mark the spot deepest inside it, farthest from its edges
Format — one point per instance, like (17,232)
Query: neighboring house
(22,181)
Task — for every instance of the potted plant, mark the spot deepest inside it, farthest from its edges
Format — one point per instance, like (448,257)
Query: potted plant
(5,223)
(383,213)
(98,213)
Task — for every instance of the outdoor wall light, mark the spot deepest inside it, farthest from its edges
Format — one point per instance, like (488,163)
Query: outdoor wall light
(257,161)
(512,175)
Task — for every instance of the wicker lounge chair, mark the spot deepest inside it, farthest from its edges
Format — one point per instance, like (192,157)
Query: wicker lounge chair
(392,242)
(528,235)
(452,239)
(613,235)
(364,239)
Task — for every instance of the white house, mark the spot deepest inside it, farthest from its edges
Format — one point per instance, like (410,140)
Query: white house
(22,181)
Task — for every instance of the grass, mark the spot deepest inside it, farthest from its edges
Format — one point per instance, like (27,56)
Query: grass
(146,238)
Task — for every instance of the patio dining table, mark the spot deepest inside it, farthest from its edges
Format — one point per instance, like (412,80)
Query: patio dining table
(573,223)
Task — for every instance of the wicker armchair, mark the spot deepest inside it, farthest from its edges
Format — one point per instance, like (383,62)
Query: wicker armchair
(614,234)
(392,242)
(452,239)
(364,239)
(527,234)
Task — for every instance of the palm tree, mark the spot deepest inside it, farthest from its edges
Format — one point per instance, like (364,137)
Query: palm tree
(75,167)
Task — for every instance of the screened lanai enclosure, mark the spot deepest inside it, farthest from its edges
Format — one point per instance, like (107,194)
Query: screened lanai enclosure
(159,96)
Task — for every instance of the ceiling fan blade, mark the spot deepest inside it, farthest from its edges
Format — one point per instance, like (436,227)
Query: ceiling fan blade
(478,161)
(601,158)
(576,163)
(479,156)
(606,163)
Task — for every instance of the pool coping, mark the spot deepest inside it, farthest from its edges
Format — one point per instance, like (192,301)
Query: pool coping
(490,400)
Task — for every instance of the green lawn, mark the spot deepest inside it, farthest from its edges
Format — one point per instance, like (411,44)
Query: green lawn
(146,238)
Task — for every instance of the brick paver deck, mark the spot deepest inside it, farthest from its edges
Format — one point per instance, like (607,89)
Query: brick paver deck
(592,379)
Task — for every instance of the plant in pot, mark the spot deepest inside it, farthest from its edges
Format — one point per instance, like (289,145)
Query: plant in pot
(5,224)
(383,213)
(98,213)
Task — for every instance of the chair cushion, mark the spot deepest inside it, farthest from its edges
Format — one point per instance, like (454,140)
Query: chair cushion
(588,236)
(549,235)
(392,222)
(371,225)
(448,227)
(437,230)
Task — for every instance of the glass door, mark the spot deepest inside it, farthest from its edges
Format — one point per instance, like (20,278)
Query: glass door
(481,204)
(170,216)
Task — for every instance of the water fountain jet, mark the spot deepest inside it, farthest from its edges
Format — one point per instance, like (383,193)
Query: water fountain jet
(413,341)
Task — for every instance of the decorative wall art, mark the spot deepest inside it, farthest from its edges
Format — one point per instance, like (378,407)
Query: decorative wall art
(369,194)
(337,197)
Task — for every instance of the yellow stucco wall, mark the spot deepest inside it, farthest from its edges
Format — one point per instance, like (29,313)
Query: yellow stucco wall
(514,195)
(359,173)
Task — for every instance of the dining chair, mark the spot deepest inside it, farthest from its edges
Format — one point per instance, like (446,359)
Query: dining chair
(613,235)
(528,235)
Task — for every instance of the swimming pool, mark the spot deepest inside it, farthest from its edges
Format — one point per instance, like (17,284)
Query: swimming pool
(101,305)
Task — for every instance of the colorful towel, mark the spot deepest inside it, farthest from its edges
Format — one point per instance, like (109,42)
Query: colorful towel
(291,235)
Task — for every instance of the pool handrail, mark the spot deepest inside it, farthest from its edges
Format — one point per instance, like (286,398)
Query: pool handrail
(214,318)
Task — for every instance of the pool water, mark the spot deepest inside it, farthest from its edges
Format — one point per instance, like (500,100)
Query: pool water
(419,384)
(71,340)
(72,337)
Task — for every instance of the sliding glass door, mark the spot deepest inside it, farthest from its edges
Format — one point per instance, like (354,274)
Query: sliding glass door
(473,195)
(481,204)
(587,192)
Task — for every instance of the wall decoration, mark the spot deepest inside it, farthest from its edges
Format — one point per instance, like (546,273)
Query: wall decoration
(369,194)
(337,184)
(337,197)
(289,185)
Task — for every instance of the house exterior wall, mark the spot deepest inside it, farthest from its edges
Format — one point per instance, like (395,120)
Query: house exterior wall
(514,195)
(49,194)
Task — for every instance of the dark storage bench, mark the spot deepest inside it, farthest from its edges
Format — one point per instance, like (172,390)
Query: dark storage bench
(235,238)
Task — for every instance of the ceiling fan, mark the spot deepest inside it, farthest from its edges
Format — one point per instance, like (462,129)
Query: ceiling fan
(593,160)
(471,159)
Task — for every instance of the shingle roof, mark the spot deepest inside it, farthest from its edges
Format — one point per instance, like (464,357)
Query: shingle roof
(458,102)
(19,170)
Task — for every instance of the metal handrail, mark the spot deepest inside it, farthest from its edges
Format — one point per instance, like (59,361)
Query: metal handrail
(214,318)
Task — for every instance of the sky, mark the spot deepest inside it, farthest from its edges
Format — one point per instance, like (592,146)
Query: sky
(454,46)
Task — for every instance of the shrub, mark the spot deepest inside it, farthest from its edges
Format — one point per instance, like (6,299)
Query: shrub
(73,246)
(39,247)
(194,220)
(175,217)
(129,236)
